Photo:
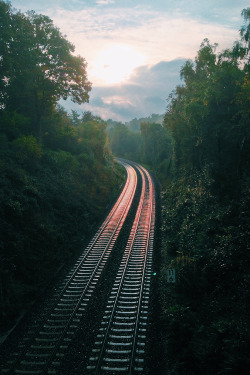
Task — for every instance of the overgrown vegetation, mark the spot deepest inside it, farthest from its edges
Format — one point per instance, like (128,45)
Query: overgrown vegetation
(57,174)
(51,166)
(206,216)
(143,140)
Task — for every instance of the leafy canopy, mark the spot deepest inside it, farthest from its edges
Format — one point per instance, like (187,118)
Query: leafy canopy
(37,65)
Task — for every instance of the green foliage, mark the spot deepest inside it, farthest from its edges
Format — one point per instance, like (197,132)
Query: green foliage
(156,145)
(50,198)
(191,198)
(92,137)
(37,66)
(26,148)
(205,216)
(125,143)
(135,124)
(151,146)
(56,173)
(208,121)
(14,125)
(206,312)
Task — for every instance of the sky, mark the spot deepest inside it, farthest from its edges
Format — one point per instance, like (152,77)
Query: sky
(135,49)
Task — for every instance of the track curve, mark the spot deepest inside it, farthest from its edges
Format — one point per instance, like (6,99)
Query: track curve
(120,343)
(121,339)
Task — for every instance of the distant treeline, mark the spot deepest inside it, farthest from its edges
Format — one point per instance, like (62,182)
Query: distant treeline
(135,124)
(144,140)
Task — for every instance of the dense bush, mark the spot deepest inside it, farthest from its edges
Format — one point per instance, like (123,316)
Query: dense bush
(56,173)
(206,313)
(205,229)
(49,201)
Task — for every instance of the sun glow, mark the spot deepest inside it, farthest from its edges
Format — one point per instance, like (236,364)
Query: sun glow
(115,64)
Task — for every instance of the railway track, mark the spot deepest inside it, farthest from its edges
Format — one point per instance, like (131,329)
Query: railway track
(120,343)
(121,339)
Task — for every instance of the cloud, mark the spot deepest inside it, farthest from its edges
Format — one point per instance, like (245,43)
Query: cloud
(104,2)
(160,32)
(166,33)
(145,93)
(157,35)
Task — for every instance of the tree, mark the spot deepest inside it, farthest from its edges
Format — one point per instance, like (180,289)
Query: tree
(156,143)
(125,143)
(208,117)
(245,34)
(39,67)
(205,215)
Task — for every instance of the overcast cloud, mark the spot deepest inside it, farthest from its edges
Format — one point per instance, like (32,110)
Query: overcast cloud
(145,93)
(163,32)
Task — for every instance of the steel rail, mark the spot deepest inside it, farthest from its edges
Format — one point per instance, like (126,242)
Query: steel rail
(128,251)
(108,247)
(149,234)
(116,219)
(141,236)
(148,249)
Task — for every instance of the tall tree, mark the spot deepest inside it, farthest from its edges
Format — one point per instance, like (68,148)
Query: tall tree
(208,116)
(156,143)
(39,66)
